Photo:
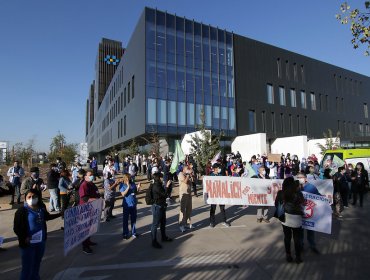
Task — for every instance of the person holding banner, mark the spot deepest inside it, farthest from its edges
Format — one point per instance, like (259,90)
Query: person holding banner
(30,228)
(307,187)
(262,211)
(88,191)
(292,201)
(217,172)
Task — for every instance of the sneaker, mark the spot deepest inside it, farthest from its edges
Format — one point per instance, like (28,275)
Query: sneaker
(289,258)
(259,220)
(182,228)
(156,245)
(167,239)
(126,237)
(134,236)
(189,226)
(266,221)
(87,250)
(313,249)
(226,224)
(212,225)
(298,260)
(91,243)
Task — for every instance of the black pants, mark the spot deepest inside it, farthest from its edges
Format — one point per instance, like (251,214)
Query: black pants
(213,211)
(194,188)
(344,195)
(360,194)
(297,236)
(64,201)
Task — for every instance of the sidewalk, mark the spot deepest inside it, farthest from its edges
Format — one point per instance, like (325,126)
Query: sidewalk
(246,250)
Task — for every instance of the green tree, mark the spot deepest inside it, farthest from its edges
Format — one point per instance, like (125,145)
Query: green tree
(133,149)
(331,143)
(23,152)
(60,148)
(204,146)
(359,24)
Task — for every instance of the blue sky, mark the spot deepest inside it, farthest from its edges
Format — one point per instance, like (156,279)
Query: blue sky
(48,50)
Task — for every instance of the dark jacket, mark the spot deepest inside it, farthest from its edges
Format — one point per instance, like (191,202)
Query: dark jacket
(360,180)
(53,179)
(20,226)
(159,193)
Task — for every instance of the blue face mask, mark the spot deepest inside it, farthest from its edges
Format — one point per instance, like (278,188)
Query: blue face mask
(91,178)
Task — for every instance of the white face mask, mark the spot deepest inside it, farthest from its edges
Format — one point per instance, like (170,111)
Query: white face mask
(302,181)
(32,201)
(263,173)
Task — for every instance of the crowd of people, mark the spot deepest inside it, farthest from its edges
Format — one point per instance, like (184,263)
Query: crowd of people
(70,187)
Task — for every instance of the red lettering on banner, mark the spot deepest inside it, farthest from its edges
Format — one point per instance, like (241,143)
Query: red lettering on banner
(257,198)
(237,190)
(209,188)
(217,188)
(225,191)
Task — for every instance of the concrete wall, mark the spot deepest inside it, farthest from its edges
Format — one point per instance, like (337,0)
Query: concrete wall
(249,145)
(296,145)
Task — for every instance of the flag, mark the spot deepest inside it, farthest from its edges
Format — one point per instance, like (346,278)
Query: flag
(336,163)
(216,157)
(248,171)
(177,157)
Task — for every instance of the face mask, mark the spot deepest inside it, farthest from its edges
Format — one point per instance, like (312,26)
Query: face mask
(263,173)
(302,181)
(32,201)
(312,170)
(350,169)
(35,175)
(91,178)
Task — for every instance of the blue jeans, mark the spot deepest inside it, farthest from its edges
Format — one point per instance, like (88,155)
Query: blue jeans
(132,213)
(159,218)
(31,260)
(53,201)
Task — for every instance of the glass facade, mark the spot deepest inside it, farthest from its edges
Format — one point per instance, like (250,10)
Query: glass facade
(189,71)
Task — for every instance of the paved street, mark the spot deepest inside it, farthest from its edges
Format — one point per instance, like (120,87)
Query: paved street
(246,250)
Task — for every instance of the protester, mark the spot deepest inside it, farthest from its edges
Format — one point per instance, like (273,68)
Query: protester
(75,168)
(15,174)
(292,200)
(311,175)
(129,190)
(33,182)
(116,162)
(52,183)
(185,182)
(88,192)
(262,211)
(212,211)
(360,180)
(109,168)
(109,196)
(94,167)
(159,210)
(64,186)
(61,165)
(309,188)
(337,197)
(30,228)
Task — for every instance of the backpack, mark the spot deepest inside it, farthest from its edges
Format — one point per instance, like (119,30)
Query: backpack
(149,199)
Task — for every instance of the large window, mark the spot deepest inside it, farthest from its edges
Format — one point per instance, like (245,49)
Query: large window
(232,118)
(190,114)
(366,112)
(172,112)
(252,121)
(303,100)
(162,111)
(270,94)
(181,113)
(282,96)
(313,101)
(133,87)
(224,118)
(151,111)
(293,98)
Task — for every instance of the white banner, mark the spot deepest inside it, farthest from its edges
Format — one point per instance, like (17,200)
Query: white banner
(251,191)
(317,213)
(80,222)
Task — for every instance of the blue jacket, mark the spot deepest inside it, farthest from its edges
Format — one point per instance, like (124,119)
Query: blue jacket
(130,198)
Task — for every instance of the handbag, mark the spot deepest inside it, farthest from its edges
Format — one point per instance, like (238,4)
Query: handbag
(280,212)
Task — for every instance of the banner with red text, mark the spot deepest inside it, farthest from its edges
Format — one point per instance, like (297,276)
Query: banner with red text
(251,191)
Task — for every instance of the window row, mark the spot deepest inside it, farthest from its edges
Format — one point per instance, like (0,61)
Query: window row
(292,94)
(118,104)
(347,85)
(295,123)
(122,127)
(350,129)
(164,112)
(296,71)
